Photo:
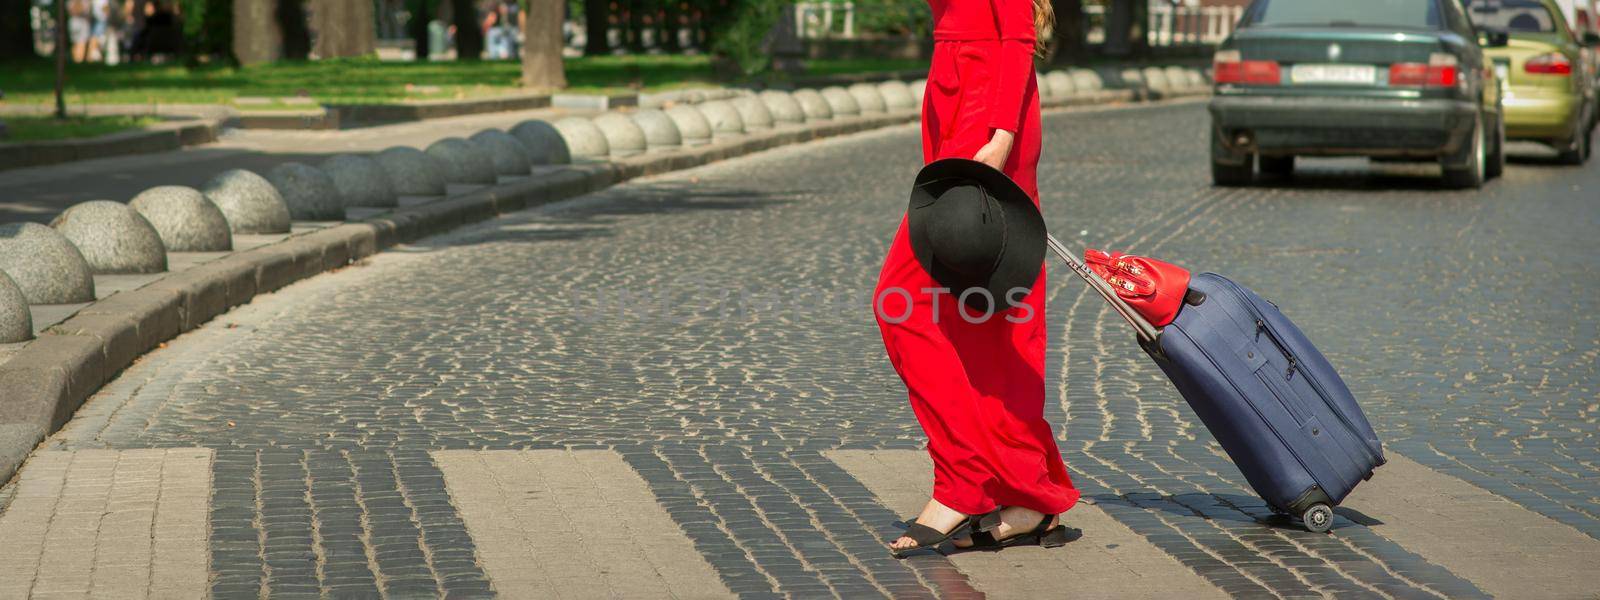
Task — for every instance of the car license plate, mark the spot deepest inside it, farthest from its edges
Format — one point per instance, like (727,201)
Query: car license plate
(1334,74)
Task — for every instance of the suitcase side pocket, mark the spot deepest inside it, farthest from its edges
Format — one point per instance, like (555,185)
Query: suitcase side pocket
(1285,396)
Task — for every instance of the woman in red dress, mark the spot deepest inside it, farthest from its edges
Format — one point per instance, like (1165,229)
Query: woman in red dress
(978,388)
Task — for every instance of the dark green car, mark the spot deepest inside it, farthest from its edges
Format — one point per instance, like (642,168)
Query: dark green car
(1400,79)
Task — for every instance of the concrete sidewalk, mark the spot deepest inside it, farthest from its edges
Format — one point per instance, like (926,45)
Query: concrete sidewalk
(40,193)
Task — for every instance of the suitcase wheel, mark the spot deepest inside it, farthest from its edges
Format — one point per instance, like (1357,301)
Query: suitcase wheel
(1318,518)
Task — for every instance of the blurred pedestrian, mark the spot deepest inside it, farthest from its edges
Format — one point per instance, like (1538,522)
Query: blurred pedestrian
(161,36)
(977,386)
(80,28)
(501,29)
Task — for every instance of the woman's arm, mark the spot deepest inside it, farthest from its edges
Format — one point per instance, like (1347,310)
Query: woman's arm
(1014,62)
(1011,79)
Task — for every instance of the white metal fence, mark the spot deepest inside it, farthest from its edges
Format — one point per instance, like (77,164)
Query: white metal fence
(1169,25)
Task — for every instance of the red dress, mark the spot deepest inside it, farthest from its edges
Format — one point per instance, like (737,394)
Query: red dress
(977,388)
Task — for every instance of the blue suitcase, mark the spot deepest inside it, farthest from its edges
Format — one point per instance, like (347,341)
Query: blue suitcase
(1267,395)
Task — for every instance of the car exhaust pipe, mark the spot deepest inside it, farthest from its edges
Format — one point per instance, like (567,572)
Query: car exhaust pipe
(1243,139)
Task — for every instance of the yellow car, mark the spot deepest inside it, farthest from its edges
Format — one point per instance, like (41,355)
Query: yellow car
(1548,96)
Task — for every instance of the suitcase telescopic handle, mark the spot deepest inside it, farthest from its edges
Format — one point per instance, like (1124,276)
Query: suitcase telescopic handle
(1141,326)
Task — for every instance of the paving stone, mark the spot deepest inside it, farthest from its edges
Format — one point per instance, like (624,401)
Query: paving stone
(725,409)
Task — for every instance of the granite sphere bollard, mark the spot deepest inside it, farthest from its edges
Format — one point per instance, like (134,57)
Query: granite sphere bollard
(896,95)
(412,172)
(868,98)
(249,202)
(16,320)
(660,131)
(841,102)
(783,107)
(1155,78)
(361,181)
(813,104)
(583,138)
(1176,77)
(1085,80)
(753,112)
(184,218)
(692,126)
(543,142)
(113,238)
(309,193)
(919,90)
(723,117)
(44,264)
(508,155)
(1059,83)
(1196,77)
(623,136)
(463,161)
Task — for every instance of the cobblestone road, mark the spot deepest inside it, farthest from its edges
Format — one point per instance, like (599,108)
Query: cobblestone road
(711,328)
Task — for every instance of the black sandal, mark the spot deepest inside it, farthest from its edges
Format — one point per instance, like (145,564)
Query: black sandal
(927,537)
(1042,535)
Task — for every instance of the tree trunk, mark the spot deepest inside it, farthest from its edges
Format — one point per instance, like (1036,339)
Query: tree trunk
(469,30)
(542,68)
(344,27)
(1127,22)
(671,21)
(16,29)
(256,37)
(291,17)
(596,22)
(421,13)
(1069,40)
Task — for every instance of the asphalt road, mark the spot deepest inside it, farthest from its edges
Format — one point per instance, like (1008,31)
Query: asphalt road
(712,327)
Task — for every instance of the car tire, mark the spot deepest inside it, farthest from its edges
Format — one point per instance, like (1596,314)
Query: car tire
(1277,166)
(1496,165)
(1579,152)
(1464,168)
(1223,171)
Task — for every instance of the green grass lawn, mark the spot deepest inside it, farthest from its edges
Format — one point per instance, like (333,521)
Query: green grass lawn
(35,129)
(360,81)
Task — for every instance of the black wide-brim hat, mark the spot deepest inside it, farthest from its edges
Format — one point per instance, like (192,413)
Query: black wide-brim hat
(971,226)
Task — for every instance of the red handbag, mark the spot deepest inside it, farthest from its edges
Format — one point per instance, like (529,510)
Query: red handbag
(1154,288)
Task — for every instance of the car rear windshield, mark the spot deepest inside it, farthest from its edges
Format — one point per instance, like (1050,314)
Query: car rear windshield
(1410,14)
(1512,16)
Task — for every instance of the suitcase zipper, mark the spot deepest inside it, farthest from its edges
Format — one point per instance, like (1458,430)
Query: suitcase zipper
(1263,325)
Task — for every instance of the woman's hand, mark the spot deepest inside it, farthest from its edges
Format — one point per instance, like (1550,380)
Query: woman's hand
(995,152)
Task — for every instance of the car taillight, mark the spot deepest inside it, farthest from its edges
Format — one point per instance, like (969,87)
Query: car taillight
(1440,71)
(1548,64)
(1229,66)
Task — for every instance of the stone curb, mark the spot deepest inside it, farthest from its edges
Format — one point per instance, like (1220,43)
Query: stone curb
(47,380)
(338,116)
(160,137)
